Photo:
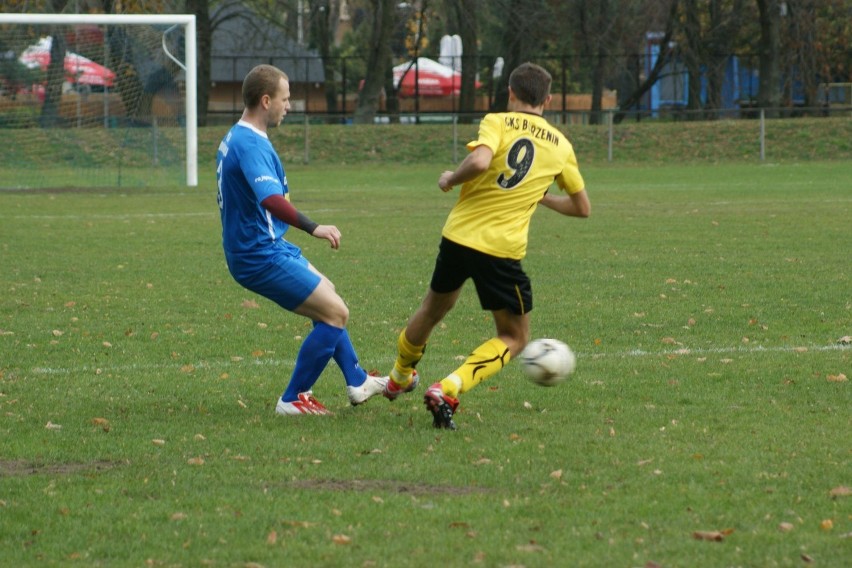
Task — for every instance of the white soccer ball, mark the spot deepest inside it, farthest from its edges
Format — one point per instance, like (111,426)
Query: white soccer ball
(547,362)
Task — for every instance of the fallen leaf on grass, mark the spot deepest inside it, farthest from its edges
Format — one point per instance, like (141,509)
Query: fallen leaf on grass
(556,474)
(195,461)
(532,546)
(178,516)
(838,378)
(786,527)
(250,304)
(158,442)
(102,422)
(841,491)
(826,525)
(713,536)
(341,539)
(272,537)
(51,426)
(845,340)
(299,524)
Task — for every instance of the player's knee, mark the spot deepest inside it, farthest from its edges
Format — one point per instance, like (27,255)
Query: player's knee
(338,316)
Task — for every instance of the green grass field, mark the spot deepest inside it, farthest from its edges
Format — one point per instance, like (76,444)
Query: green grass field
(707,305)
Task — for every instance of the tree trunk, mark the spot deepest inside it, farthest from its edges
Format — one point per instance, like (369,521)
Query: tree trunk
(465,11)
(515,52)
(55,78)
(203,35)
(55,72)
(804,31)
(597,48)
(769,86)
(378,61)
(665,54)
(692,58)
(324,16)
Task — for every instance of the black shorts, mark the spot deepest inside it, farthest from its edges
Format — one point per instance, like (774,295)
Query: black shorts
(501,283)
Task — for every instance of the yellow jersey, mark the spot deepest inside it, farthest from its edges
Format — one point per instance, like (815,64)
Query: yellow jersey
(493,211)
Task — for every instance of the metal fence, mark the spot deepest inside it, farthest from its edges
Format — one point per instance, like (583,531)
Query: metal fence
(330,90)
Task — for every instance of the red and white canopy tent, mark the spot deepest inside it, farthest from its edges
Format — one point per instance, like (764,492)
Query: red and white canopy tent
(433,79)
(78,69)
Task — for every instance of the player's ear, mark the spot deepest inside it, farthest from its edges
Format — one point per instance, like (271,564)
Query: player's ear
(547,100)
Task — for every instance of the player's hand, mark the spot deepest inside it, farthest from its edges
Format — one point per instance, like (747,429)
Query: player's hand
(444,181)
(329,233)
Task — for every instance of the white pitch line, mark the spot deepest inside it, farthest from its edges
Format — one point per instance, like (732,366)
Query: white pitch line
(726,350)
(261,362)
(118,216)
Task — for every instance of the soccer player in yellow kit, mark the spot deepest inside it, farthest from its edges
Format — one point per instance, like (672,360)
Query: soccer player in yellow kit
(515,159)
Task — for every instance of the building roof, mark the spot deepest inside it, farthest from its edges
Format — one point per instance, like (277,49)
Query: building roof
(245,39)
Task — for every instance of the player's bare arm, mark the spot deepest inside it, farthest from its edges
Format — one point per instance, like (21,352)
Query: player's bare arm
(474,164)
(572,205)
(284,210)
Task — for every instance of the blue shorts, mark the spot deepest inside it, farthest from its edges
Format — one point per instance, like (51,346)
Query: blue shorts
(284,278)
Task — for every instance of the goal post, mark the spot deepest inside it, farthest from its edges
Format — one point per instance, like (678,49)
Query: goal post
(126,114)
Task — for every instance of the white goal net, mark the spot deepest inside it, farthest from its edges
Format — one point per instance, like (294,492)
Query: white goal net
(97,101)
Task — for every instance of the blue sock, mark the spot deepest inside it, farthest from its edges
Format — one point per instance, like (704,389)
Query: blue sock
(316,351)
(347,360)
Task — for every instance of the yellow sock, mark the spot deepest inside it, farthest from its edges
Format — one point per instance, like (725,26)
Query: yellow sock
(486,360)
(408,357)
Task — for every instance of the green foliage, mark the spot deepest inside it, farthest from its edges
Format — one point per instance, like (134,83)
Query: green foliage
(137,381)
(15,76)
(19,117)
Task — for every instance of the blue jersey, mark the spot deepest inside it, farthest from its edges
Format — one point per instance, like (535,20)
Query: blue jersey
(248,170)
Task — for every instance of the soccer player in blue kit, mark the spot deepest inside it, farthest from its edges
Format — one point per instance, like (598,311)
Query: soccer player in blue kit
(254,202)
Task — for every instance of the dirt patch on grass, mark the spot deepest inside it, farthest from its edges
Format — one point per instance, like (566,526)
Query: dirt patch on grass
(384,485)
(10,468)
